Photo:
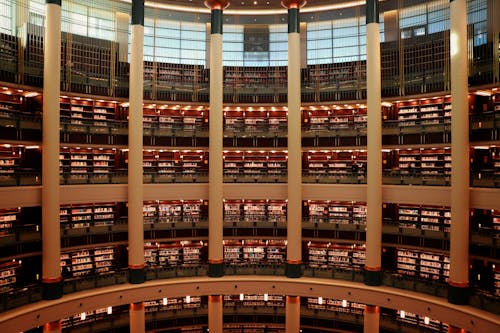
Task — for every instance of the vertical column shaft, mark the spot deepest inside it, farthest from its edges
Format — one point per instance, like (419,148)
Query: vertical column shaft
(294,208)
(215,313)
(215,180)
(292,314)
(135,142)
(51,235)
(371,319)
(459,230)
(373,269)
(137,318)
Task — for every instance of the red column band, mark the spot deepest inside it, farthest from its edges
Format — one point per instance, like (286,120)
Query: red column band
(372,309)
(52,326)
(293,3)
(217,4)
(215,298)
(137,306)
(293,299)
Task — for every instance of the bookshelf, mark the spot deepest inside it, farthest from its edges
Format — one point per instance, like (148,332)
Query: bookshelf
(151,254)
(192,210)
(233,252)
(340,212)
(277,162)
(77,263)
(194,162)
(86,215)
(496,280)
(434,218)
(276,251)
(150,212)
(426,265)
(191,253)
(408,112)
(9,104)
(170,254)
(104,259)
(337,164)
(9,160)
(169,211)
(318,255)
(8,275)
(254,251)
(103,160)
(254,210)
(431,111)
(232,210)
(9,218)
(276,210)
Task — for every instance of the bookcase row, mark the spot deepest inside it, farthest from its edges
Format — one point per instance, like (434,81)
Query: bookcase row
(424,217)
(79,162)
(104,112)
(318,255)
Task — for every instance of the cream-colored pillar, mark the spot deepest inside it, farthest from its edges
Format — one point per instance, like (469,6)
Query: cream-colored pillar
(51,234)
(292,314)
(371,319)
(215,163)
(215,313)
(459,230)
(373,269)
(137,318)
(294,207)
(135,142)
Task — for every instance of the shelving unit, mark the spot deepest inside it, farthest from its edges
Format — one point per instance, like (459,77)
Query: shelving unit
(318,255)
(150,211)
(426,265)
(191,253)
(9,104)
(9,218)
(8,275)
(86,215)
(9,161)
(408,113)
(232,210)
(232,252)
(432,218)
(339,212)
(77,263)
(496,282)
(276,210)
(276,251)
(254,251)
(254,210)
(151,254)
(191,210)
(169,211)
(170,254)
(104,260)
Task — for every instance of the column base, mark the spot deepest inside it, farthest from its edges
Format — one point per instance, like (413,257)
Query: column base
(215,269)
(52,290)
(293,270)
(136,275)
(458,295)
(372,278)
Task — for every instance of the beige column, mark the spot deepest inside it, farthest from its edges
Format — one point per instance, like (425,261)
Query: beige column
(292,314)
(137,318)
(51,234)
(215,313)
(373,269)
(215,163)
(459,230)
(294,207)
(371,319)
(53,327)
(135,142)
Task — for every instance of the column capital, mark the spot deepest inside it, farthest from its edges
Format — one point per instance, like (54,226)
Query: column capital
(293,3)
(217,4)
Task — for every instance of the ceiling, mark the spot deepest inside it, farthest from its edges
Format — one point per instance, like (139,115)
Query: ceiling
(248,4)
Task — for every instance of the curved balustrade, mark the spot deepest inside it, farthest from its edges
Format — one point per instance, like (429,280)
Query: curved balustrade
(488,179)
(32,293)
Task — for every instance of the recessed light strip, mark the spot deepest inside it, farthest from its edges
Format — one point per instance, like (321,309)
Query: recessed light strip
(247,12)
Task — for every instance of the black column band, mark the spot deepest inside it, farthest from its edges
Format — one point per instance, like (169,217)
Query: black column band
(293,20)
(216,22)
(55,2)
(372,11)
(138,12)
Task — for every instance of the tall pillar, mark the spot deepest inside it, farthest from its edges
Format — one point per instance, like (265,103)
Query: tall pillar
(215,163)
(137,318)
(458,281)
(53,327)
(294,208)
(51,234)
(373,267)
(215,312)
(371,319)
(135,180)
(292,314)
